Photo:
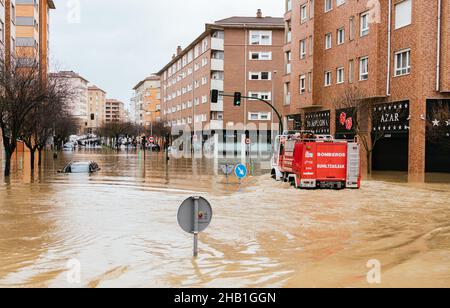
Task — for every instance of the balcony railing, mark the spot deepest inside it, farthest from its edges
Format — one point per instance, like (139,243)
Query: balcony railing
(217,84)
(217,44)
(217,64)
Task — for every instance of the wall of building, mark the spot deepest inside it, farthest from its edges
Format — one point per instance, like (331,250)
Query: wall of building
(96,109)
(384,85)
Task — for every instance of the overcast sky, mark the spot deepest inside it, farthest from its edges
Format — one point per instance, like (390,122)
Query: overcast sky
(115,44)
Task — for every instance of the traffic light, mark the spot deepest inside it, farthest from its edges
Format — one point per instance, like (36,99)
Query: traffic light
(237,99)
(214,96)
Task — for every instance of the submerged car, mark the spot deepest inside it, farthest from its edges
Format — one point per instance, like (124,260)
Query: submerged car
(154,148)
(81,167)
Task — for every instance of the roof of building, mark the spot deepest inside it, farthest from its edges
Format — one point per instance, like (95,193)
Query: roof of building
(67,74)
(150,78)
(113,100)
(95,88)
(237,20)
(263,22)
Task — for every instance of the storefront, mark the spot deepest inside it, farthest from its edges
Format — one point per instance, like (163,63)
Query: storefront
(318,122)
(438,136)
(390,135)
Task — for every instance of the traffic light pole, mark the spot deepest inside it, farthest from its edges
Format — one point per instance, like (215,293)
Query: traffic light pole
(268,104)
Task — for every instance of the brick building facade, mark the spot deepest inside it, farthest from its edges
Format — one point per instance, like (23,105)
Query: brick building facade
(390,52)
(237,54)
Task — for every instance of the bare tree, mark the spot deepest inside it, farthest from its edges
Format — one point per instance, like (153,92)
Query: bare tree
(117,129)
(64,126)
(362,117)
(22,90)
(39,124)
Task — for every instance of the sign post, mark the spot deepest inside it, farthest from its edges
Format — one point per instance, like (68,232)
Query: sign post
(241,172)
(227,169)
(194,216)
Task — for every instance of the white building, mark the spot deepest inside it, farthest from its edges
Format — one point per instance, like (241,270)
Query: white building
(79,103)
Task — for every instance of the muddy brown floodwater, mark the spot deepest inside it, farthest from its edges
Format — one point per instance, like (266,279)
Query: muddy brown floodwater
(120,227)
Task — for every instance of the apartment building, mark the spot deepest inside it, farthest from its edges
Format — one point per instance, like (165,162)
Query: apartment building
(146,103)
(32,31)
(114,111)
(237,54)
(2,26)
(78,104)
(394,54)
(8,28)
(96,108)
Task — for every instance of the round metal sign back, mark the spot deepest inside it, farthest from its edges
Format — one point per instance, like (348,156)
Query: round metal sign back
(193,220)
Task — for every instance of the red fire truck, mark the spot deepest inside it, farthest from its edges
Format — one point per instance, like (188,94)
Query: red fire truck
(316,161)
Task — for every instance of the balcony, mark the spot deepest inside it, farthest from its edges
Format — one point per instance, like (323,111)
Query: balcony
(216,124)
(217,44)
(217,84)
(217,106)
(217,65)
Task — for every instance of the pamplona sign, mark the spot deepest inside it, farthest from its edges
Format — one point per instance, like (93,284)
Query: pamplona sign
(391,118)
(318,122)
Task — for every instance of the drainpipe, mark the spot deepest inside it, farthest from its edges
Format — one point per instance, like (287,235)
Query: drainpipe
(388,84)
(438,63)
(247,37)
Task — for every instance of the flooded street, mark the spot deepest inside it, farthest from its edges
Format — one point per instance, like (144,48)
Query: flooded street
(121,226)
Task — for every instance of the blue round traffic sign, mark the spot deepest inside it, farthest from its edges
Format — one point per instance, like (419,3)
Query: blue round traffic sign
(240,171)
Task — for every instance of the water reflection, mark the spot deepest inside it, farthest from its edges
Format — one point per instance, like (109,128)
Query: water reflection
(121,225)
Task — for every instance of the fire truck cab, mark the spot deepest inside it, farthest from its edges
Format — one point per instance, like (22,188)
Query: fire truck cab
(316,161)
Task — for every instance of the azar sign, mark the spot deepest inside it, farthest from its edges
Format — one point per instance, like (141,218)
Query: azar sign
(392,118)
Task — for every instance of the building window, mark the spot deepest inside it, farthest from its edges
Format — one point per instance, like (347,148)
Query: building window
(328,5)
(328,41)
(287,93)
(267,96)
(302,84)
(260,76)
(403,14)
(364,69)
(340,36)
(311,45)
(288,5)
(340,75)
(364,20)
(259,116)
(302,49)
(310,82)
(2,31)
(261,38)
(304,13)
(352,28)
(261,56)
(351,71)
(403,63)
(328,77)
(340,2)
